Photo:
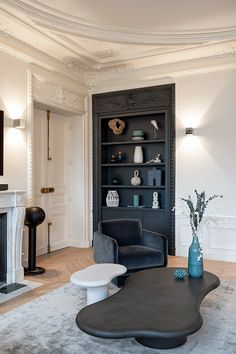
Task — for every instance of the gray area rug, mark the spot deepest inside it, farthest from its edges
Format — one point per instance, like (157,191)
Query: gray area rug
(47,325)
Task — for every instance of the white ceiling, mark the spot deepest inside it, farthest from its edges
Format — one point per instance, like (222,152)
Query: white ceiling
(86,37)
(148,15)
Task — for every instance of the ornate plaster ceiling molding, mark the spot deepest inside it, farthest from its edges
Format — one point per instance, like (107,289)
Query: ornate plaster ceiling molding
(75,65)
(217,54)
(27,53)
(50,92)
(130,75)
(21,35)
(62,22)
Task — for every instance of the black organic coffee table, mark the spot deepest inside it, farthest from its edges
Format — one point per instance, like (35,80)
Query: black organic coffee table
(157,309)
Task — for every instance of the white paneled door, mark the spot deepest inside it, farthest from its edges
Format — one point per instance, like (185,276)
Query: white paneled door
(52,178)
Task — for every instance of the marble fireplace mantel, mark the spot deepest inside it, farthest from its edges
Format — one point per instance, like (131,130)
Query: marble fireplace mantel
(12,203)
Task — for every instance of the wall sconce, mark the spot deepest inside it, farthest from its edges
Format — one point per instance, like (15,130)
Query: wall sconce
(189,131)
(19,123)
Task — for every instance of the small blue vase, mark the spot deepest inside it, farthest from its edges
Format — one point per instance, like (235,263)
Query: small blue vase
(195,259)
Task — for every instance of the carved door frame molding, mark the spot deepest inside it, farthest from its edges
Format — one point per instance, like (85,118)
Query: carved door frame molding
(54,94)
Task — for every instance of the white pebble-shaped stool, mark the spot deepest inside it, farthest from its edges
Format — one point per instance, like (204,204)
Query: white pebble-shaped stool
(96,279)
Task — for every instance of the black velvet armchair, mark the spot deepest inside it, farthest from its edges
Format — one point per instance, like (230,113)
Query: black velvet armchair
(124,241)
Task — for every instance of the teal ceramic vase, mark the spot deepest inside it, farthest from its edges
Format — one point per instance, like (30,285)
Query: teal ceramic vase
(195,259)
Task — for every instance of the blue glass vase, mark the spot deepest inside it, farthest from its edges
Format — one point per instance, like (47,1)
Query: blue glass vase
(195,259)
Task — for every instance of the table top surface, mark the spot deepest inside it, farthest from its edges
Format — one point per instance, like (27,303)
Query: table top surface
(152,302)
(97,274)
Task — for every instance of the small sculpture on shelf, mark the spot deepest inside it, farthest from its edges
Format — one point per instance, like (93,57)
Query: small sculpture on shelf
(154,177)
(121,157)
(117,126)
(136,180)
(156,159)
(113,158)
(155,202)
(155,128)
(115,180)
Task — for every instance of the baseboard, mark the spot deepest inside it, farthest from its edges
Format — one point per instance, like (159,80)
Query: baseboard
(79,244)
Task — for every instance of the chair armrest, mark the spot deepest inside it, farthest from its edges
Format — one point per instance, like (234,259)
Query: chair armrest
(157,241)
(105,248)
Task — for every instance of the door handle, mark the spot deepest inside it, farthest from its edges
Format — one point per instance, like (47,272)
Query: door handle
(47,190)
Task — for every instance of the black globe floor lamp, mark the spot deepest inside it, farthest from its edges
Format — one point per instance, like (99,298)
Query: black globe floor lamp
(34,216)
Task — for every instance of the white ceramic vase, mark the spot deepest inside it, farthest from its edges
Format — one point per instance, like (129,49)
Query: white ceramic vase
(112,199)
(138,154)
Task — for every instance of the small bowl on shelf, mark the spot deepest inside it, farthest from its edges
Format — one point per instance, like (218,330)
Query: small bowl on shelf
(137,135)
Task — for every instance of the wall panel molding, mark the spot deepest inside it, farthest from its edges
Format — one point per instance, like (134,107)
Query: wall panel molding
(217,238)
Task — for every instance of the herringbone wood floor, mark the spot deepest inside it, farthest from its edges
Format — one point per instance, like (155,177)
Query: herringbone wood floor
(61,264)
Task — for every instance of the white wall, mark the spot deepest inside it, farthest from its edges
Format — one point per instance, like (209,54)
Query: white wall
(14,103)
(206,161)
(207,102)
(78,223)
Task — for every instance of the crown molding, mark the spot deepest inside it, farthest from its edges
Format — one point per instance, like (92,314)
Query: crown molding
(195,60)
(146,76)
(27,53)
(62,22)
(78,75)
(197,53)
(57,45)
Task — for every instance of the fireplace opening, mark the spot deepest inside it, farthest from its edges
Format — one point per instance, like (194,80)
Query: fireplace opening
(3,248)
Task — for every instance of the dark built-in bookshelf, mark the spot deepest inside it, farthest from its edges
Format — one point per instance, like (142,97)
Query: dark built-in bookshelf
(136,107)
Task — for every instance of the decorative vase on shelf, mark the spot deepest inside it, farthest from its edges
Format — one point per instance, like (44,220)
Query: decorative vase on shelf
(195,259)
(136,180)
(112,199)
(115,179)
(138,154)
